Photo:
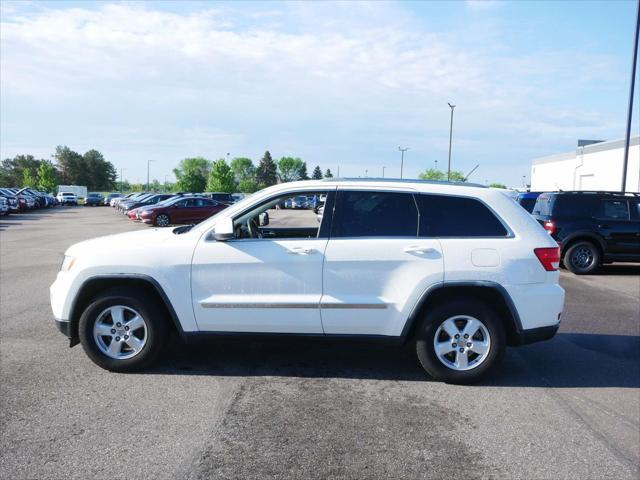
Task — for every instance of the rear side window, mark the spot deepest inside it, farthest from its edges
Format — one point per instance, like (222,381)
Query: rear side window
(449,216)
(375,214)
(614,209)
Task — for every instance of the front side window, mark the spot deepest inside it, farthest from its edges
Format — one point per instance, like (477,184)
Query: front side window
(614,209)
(375,214)
(282,218)
(449,216)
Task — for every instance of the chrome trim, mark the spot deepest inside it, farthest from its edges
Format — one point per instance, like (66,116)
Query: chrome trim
(373,306)
(258,305)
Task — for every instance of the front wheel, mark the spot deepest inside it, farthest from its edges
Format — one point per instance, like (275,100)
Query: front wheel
(582,258)
(460,341)
(163,220)
(123,330)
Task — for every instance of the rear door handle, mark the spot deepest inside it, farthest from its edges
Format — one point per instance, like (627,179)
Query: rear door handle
(301,251)
(418,249)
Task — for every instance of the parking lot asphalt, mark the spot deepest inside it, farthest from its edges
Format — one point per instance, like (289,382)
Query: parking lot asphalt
(308,408)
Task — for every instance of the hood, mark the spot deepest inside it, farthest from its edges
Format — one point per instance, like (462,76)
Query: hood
(129,240)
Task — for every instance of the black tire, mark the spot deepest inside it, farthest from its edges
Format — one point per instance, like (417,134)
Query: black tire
(427,330)
(154,316)
(582,258)
(157,223)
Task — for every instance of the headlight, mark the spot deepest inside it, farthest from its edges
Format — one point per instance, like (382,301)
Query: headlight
(67,263)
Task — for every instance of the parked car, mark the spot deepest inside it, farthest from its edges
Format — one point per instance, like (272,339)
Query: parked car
(115,202)
(591,228)
(124,204)
(527,200)
(180,210)
(67,198)
(152,199)
(220,197)
(12,200)
(458,270)
(4,206)
(94,199)
(300,202)
(107,200)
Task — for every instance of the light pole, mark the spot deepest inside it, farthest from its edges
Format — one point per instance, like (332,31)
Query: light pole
(148,162)
(450,137)
(121,170)
(383,171)
(402,150)
(366,173)
(227,157)
(630,108)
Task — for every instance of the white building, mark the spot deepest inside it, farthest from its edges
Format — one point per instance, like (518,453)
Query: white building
(597,166)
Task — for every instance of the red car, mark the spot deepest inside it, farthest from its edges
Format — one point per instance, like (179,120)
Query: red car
(180,210)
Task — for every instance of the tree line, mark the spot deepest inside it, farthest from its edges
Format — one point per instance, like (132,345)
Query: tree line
(241,175)
(67,168)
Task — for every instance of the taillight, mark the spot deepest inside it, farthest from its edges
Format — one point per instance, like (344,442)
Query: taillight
(550,227)
(549,258)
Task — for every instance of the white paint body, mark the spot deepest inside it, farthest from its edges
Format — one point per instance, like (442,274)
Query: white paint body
(332,286)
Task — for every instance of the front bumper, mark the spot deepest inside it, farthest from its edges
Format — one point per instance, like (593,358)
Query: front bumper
(64,326)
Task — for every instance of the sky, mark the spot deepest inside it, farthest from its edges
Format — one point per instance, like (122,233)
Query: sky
(336,84)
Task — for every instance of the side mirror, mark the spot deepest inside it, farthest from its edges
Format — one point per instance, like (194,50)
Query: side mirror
(224,230)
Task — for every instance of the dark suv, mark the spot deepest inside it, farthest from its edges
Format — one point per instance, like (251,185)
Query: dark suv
(592,227)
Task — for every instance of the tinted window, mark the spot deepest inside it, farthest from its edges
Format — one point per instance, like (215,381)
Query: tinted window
(375,214)
(635,209)
(574,205)
(614,209)
(447,216)
(527,203)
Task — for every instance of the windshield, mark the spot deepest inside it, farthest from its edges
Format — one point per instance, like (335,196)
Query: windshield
(68,194)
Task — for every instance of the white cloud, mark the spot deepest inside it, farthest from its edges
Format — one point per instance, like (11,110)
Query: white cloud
(345,82)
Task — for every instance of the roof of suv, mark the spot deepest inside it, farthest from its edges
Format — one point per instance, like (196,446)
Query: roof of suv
(588,192)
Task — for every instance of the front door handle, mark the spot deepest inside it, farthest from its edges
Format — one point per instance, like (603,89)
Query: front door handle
(302,251)
(418,249)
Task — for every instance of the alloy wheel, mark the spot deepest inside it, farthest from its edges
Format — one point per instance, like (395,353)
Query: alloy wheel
(162,220)
(462,342)
(120,332)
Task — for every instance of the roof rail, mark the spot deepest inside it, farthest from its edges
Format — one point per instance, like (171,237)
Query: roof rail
(599,192)
(403,180)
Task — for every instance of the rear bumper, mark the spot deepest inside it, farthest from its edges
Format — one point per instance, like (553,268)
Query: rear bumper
(533,335)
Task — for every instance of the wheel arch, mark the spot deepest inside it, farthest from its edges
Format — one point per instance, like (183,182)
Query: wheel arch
(583,237)
(95,284)
(490,292)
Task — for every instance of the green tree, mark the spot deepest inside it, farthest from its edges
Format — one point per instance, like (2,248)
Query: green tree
(221,178)
(28,179)
(267,171)
(11,169)
(317,173)
(192,174)
(243,169)
(155,186)
(328,174)
(302,172)
(98,174)
(47,181)
(289,169)
(71,165)
(457,176)
(248,185)
(497,185)
(432,174)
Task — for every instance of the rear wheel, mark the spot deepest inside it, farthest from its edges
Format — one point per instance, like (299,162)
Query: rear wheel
(163,220)
(582,258)
(123,330)
(460,341)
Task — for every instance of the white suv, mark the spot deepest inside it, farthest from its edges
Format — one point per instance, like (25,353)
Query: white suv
(67,198)
(461,271)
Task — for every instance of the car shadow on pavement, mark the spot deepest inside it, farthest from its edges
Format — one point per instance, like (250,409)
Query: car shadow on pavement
(567,361)
(619,269)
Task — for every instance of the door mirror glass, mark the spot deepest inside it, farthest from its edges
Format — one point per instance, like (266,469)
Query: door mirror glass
(223,230)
